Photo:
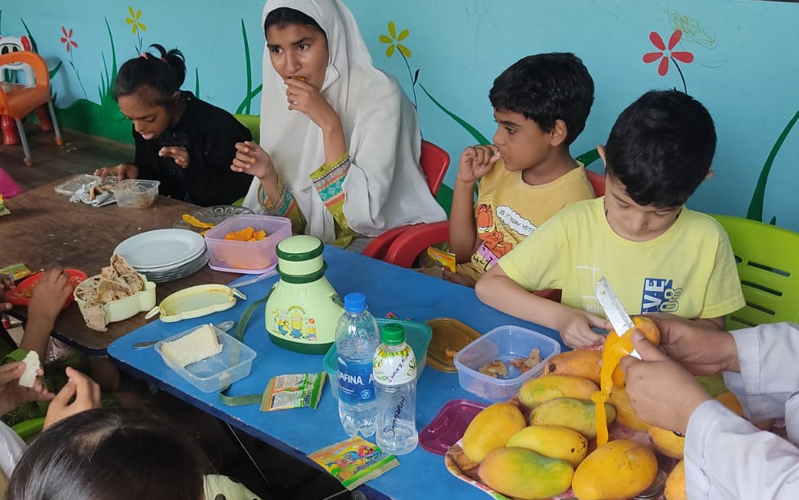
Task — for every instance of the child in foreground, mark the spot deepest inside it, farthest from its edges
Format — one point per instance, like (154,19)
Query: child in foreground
(540,105)
(185,143)
(658,255)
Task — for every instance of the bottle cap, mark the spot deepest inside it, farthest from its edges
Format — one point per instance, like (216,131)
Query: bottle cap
(355,302)
(393,334)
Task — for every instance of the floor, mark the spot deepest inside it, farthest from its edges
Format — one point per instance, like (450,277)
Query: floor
(275,474)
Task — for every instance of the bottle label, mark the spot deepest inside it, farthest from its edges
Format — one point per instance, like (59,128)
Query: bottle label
(396,367)
(355,382)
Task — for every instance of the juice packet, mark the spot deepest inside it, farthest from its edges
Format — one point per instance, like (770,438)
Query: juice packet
(16,271)
(442,258)
(354,461)
(293,391)
(3,209)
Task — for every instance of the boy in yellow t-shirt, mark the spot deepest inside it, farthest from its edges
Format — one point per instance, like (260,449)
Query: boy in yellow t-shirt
(658,255)
(541,104)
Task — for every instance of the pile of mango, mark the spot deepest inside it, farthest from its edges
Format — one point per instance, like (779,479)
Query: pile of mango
(545,454)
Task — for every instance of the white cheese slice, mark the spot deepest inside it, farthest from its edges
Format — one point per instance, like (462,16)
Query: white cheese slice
(193,347)
(32,365)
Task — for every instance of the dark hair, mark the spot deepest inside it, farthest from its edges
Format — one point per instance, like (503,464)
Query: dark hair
(103,454)
(661,148)
(546,88)
(282,16)
(164,73)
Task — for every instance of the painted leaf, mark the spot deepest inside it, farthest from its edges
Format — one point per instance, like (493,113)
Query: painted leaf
(405,51)
(403,35)
(385,39)
(392,30)
(663,67)
(415,76)
(675,39)
(685,57)
(657,41)
(390,50)
(651,57)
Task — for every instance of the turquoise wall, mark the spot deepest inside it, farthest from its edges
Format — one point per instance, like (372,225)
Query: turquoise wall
(743,68)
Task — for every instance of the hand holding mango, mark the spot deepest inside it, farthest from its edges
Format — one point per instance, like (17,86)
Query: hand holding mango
(618,346)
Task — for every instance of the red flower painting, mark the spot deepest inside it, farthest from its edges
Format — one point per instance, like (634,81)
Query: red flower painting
(67,39)
(666,53)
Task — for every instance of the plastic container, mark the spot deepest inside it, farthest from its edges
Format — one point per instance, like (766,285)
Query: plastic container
(449,337)
(212,374)
(418,335)
(448,427)
(249,257)
(136,193)
(122,309)
(21,295)
(503,343)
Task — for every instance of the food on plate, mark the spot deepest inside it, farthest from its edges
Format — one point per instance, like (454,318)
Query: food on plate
(32,365)
(579,362)
(525,474)
(491,429)
(99,189)
(573,413)
(552,441)
(194,221)
(498,369)
(196,346)
(247,234)
(542,389)
(115,282)
(632,466)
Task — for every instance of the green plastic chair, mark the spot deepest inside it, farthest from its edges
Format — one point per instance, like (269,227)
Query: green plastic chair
(252,122)
(29,429)
(768,266)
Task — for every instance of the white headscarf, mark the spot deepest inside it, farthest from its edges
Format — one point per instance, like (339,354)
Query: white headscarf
(385,186)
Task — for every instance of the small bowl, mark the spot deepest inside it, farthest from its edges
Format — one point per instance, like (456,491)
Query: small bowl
(123,309)
(135,193)
(21,295)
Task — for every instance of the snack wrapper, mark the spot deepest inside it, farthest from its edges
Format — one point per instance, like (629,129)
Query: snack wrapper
(16,271)
(354,461)
(3,209)
(293,391)
(442,258)
(94,194)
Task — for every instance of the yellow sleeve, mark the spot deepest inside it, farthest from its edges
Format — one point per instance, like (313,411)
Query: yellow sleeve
(536,263)
(328,181)
(723,294)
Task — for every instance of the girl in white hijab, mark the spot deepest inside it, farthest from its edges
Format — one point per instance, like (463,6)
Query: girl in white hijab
(340,140)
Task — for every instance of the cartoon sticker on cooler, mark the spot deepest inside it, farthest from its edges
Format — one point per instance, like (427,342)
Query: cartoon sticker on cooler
(296,323)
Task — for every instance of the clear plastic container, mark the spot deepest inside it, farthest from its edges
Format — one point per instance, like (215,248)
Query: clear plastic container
(136,193)
(418,335)
(249,257)
(212,374)
(504,343)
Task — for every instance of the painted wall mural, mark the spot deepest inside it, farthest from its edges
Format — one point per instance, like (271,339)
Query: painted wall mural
(722,52)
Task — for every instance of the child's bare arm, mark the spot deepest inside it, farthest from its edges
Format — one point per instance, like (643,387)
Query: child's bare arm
(499,291)
(476,161)
(48,298)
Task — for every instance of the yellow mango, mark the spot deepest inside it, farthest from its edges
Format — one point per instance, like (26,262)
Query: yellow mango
(524,474)
(491,429)
(583,363)
(618,470)
(542,389)
(552,441)
(667,442)
(624,410)
(729,400)
(575,414)
(675,483)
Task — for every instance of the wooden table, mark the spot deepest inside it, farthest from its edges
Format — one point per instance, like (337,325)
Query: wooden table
(45,229)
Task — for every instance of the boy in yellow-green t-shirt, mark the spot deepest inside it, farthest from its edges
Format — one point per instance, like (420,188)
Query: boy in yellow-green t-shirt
(658,255)
(541,103)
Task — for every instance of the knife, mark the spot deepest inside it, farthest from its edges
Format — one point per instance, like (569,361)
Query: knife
(616,314)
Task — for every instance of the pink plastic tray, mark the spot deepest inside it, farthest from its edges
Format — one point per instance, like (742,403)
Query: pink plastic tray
(448,426)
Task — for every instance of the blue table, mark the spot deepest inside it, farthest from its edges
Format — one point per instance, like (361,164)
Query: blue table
(388,288)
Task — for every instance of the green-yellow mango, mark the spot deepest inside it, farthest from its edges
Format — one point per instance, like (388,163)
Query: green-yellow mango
(542,389)
(525,474)
(552,441)
(573,413)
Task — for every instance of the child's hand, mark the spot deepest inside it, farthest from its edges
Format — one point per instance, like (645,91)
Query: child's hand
(49,296)
(12,394)
(252,159)
(307,99)
(661,391)
(477,161)
(575,329)
(179,155)
(6,284)
(86,394)
(122,171)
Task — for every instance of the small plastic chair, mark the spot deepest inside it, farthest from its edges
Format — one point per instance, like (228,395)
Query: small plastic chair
(768,266)
(434,162)
(252,122)
(18,101)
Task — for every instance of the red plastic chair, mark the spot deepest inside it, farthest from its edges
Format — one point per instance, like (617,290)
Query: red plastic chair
(434,162)
(407,246)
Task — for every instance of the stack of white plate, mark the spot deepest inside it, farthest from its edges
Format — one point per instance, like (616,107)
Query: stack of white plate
(165,254)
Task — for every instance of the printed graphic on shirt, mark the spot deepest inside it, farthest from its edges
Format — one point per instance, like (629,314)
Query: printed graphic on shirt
(660,295)
(495,229)
(587,276)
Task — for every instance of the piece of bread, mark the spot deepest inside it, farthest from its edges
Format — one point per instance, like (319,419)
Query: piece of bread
(94,316)
(32,364)
(193,347)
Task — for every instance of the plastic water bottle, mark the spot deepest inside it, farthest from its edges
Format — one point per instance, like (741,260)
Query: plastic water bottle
(357,338)
(395,382)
